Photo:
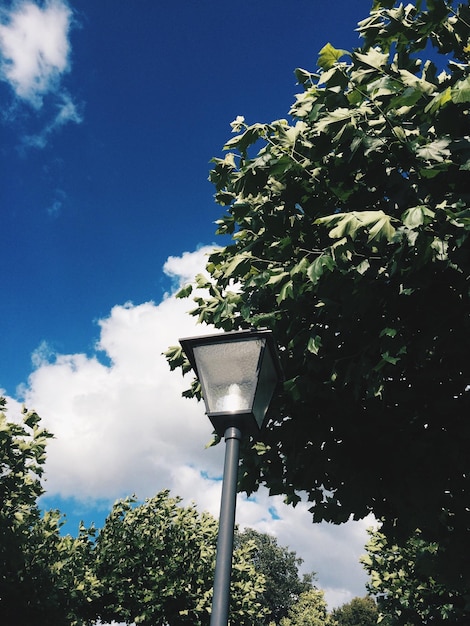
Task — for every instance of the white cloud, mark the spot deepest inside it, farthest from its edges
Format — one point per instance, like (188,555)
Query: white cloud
(332,551)
(34,56)
(182,269)
(121,428)
(34,48)
(124,428)
(67,112)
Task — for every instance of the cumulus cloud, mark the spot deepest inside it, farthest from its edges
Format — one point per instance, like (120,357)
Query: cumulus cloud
(34,56)
(182,269)
(34,47)
(122,427)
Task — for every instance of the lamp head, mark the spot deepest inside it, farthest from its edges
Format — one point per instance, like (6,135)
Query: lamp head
(238,372)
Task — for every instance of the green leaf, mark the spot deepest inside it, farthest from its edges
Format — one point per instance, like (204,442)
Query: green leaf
(416,83)
(388,332)
(303,76)
(431,171)
(382,229)
(363,266)
(341,114)
(386,359)
(31,419)
(321,264)
(184,292)
(261,448)
(277,276)
(373,57)
(439,100)
(247,138)
(377,223)
(461,91)
(301,267)
(234,264)
(287,291)
(329,55)
(408,97)
(437,150)
(314,344)
(416,216)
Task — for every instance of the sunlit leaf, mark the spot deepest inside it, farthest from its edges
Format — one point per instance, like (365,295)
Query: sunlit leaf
(329,55)
(437,150)
(373,57)
(461,91)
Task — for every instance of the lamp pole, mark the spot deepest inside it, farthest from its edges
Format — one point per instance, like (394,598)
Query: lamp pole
(223,565)
(238,372)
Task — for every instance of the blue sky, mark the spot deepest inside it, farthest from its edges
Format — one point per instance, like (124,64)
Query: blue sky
(111,111)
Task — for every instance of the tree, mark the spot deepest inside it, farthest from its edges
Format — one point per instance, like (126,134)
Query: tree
(280,568)
(358,612)
(309,610)
(45,578)
(155,563)
(151,563)
(350,240)
(403,579)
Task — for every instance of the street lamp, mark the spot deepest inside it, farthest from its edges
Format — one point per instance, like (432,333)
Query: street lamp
(238,372)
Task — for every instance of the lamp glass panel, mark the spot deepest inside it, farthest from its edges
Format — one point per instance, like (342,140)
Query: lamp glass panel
(267,381)
(229,374)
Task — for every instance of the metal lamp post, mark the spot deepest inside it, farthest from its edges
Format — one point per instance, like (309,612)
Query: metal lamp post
(238,372)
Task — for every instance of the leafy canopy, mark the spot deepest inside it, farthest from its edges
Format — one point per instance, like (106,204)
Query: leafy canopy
(403,578)
(45,578)
(151,563)
(358,612)
(155,565)
(350,240)
(280,567)
(309,610)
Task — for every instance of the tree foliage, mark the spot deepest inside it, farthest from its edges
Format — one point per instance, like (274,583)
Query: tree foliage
(280,567)
(309,610)
(349,229)
(403,579)
(44,577)
(358,612)
(151,563)
(155,565)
